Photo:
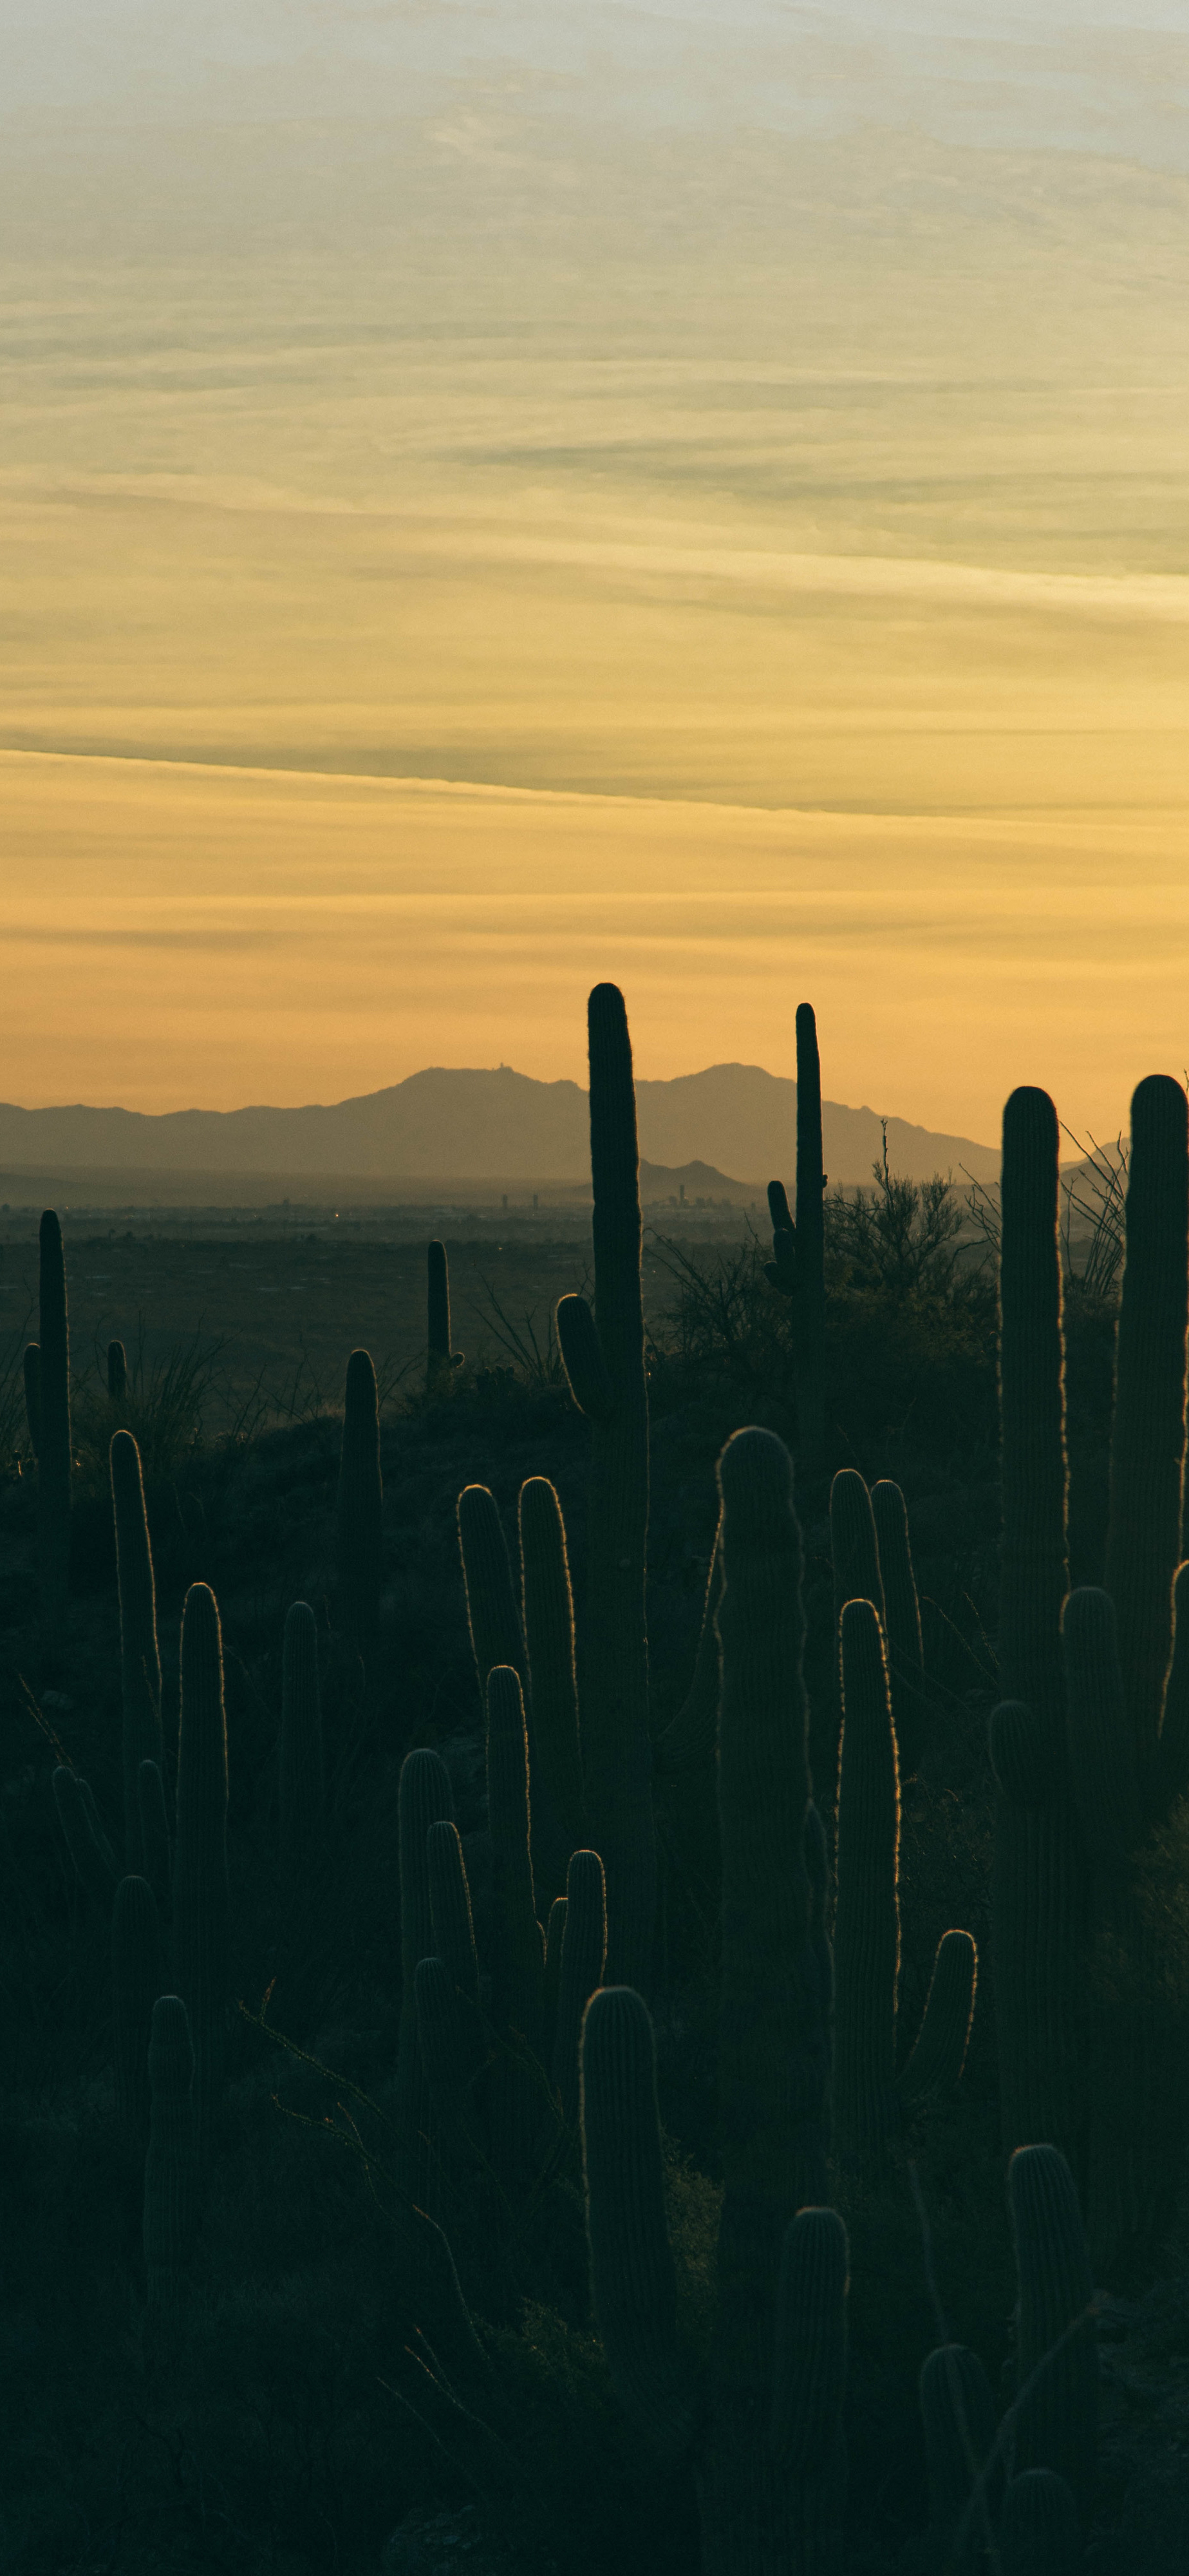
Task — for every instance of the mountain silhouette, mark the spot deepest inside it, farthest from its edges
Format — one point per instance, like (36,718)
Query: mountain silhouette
(474,1124)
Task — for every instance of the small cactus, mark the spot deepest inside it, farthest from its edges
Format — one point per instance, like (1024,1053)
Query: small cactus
(117,1372)
(441,1360)
(140,1661)
(1038,2529)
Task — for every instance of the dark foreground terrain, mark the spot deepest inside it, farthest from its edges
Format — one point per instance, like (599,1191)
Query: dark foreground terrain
(305,2421)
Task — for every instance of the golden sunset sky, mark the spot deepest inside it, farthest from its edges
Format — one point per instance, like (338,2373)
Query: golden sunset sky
(492,498)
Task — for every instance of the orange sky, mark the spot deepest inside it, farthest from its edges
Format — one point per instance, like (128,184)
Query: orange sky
(460,550)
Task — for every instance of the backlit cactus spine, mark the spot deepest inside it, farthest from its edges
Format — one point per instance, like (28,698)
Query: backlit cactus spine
(140,1661)
(200,1888)
(603,1355)
(764,2432)
(359,1529)
(54,1437)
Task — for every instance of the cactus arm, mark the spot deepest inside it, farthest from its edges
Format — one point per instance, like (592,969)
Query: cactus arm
(451,1924)
(586,1370)
(809,2343)
(554,1743)
(359,1542)
(136,1965)
(867,1914)
(1148,1434)
(633,2286)
(200,1887)
(940,2053)
(300,1780)
(140,1660)
(853,1544)
(781,1271)
(1056,2354)
(902,1620)
(958,2416)
(583,1954)
(492,1615)
(54,1447)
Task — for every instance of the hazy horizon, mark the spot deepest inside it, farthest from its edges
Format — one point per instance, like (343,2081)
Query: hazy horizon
(497,498)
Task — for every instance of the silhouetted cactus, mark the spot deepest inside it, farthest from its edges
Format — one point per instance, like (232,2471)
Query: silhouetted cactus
(1038,1890)
(200,1888)
(1148,1431)
(604,1364)
(853,1545)
(869,2096)
(88,1846)
(451,1925)
(768,2498)
(441,1359)
(518,1946)
(558,1823)
(1056,2413)
(492,1614)
(300,1782)
(140,1661)
(902,1621)
(1038,2530)
(117,1372)
(53,1443)
(137,1971)
(172,2185)
(359,1534)
(580,1970)
(32,1373)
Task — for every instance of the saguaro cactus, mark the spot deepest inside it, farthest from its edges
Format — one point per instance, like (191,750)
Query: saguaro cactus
(32,1374)
(360,1508)
(902,1621)
(140,1661)
(441,1360)
(426,1800)
(300,1768)
(117,1372)
(604,1363)
(1056,2351)
(54,1442)
(798,1266)
(870,2098)
(518,1966)
(768,2458)
(1038,1897)
(558,1805)
(200,1891)
(491,1600)
(580,1971)
(172,2178)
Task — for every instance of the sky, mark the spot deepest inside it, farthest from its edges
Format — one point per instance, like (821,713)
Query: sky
(494,497)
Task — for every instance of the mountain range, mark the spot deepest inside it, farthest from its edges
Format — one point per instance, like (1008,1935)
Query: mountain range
(453,1124)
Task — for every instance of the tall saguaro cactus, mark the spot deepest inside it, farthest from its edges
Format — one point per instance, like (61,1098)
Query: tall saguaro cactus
(603,1355)
(200,1889)
(764,2432)
(441,1360)
(53,1444)
(140,1661)
(1038,1882)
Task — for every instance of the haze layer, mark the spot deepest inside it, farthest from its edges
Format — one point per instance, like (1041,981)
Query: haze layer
(769,422)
